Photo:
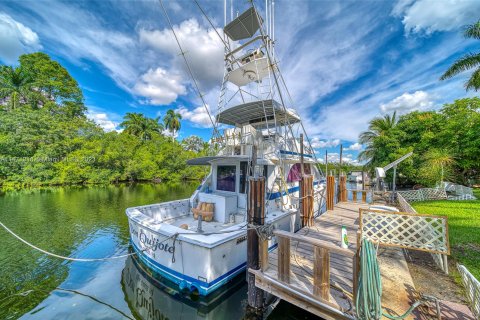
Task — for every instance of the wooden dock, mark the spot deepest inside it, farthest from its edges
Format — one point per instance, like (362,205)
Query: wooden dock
(310,269)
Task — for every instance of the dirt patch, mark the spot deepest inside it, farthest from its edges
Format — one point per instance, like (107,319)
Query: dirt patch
(429,279)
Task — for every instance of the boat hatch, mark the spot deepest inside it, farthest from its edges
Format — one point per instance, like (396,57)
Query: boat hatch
(257,114)
(244,26)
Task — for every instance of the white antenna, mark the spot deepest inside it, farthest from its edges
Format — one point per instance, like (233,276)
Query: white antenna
(224,12)
(231,10)
(266,13)
(273,25)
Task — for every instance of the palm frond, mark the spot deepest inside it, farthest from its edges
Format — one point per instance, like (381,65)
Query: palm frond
(468,61)
(472,31)
(474,81)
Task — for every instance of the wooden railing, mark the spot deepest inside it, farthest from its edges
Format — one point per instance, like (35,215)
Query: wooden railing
(356,192)
(321,262)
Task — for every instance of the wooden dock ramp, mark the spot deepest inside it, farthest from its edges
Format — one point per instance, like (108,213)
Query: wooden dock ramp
(310,269)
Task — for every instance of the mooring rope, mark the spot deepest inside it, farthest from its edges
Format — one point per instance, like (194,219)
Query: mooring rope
(78,259)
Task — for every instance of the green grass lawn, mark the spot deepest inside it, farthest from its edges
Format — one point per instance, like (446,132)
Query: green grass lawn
(464,228)
(476,193)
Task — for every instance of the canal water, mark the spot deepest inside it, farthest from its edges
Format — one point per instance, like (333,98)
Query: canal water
(90,222)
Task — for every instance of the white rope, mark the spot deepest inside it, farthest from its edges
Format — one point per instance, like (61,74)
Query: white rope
(74,259)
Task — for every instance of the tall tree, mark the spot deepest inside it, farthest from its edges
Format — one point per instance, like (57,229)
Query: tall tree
(172,122)
(468,61)
(15,86)
(194,143)
(138,125)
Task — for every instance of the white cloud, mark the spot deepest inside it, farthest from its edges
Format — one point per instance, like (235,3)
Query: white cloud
(15,39)
(335,157)
(320,144)
(197,116)
(204,50)
(354,147)
(419,100)
(429,16)
(103,120)
(159,86)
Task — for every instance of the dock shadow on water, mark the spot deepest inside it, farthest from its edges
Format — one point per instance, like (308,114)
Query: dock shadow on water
(90,222)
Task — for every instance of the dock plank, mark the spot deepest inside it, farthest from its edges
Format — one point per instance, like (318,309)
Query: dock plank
(326,229)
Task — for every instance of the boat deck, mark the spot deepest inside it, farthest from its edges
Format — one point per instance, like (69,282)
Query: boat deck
(300,290)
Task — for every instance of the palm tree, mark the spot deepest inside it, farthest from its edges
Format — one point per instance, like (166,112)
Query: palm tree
(437,162)
(469,61)
(172,121)
(138,125)
(378,127)
(15,86)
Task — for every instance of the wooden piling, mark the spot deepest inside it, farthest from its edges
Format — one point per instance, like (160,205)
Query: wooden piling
(364,196)
(307,198)
(354,195)
(256,217)
(342,189)
(330,192)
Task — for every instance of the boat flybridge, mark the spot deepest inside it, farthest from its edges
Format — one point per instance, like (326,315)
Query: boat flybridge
(200,243)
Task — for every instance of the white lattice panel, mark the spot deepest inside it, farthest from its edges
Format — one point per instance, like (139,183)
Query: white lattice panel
(472,288)
(423,194)
(406,207)
(406,230)
(462,197)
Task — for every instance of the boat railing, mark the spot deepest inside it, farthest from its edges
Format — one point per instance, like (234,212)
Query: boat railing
(165,210)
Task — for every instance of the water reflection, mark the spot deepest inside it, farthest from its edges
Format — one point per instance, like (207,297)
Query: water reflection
(150,298)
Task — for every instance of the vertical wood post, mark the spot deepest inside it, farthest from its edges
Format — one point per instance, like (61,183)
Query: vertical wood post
(283,259)
(263,251)
(342,189)
(330,192)
(354,196)
(356,266)
(306,195)
(321,273)
(364,196)
(256,217)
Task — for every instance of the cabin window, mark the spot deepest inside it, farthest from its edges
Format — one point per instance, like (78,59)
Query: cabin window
(243,176)
(226,178)
(295,173)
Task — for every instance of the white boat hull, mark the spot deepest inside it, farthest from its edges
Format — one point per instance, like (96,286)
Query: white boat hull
(193,265)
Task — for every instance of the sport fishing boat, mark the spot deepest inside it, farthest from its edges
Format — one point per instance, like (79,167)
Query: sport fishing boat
(200,243)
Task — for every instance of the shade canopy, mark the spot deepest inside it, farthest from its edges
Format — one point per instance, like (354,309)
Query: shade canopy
(244,26)
(204,161)
(257,114)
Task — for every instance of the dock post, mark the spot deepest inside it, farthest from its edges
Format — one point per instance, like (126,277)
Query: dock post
(256,216)
(330,192)
(342,188)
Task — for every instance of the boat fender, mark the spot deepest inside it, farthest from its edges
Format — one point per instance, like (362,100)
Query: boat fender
(183,285)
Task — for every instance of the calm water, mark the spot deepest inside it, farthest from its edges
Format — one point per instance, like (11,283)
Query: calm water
(89,222)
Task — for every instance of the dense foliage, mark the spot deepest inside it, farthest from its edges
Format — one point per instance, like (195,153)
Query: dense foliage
(46,139)
(446,143)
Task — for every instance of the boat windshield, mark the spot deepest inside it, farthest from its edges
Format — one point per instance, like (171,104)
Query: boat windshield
(226,178)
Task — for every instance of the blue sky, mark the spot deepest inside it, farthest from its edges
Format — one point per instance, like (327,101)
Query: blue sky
(344,61)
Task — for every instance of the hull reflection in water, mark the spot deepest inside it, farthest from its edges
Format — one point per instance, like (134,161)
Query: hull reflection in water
(152,299)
